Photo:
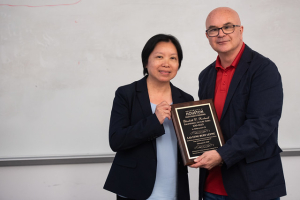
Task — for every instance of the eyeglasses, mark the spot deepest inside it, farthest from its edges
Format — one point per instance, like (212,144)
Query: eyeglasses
(227,29)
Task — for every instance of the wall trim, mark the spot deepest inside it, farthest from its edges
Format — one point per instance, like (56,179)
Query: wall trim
(84,159)
(56,160)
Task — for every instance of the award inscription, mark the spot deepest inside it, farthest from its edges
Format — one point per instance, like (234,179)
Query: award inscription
(197,128)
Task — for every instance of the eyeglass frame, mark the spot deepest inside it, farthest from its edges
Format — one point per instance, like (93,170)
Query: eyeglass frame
(222,30)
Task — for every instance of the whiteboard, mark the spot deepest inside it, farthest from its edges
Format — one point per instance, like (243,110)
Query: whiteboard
(62,60)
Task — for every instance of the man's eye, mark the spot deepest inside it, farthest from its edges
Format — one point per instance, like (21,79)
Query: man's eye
(227,27)
(213,30)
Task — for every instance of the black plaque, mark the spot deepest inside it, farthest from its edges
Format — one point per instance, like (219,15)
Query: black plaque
(197,128)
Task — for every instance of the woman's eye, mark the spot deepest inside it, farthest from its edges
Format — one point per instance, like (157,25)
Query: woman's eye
(173,58)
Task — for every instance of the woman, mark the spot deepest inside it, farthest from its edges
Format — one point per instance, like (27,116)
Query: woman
(147,164)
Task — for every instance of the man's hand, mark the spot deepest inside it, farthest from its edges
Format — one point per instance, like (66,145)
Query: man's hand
(208,160)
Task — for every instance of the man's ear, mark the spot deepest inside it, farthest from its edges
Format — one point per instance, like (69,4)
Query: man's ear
(242,31)
(206,35)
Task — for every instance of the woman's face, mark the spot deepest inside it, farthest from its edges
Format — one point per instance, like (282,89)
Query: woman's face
(163,62)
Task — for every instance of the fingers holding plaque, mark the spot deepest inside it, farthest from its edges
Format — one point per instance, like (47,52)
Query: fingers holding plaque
(197,128)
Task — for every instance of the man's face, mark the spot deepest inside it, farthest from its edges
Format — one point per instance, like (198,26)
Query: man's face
(228,44)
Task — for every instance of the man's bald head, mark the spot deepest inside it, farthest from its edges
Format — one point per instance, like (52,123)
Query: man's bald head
(223,12)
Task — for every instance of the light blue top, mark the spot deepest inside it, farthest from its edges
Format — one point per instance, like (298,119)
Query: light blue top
(166,172)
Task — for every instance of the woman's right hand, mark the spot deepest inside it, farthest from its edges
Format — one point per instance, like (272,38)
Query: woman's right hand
(162,111)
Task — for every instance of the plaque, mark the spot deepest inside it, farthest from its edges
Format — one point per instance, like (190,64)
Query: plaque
(197,128)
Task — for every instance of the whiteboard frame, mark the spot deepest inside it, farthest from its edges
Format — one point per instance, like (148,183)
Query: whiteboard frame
(84,159)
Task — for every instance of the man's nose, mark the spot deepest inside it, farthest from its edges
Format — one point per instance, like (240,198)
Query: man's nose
(221,33)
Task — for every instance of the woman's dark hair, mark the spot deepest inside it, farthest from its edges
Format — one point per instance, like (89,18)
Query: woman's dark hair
(152,42)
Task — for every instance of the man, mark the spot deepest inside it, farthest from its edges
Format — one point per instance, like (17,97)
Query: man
(247,92)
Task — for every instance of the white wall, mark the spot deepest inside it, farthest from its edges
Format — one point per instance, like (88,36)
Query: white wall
(85,181)
(60,65)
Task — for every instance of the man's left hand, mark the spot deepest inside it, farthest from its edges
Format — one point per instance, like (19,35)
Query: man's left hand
(208,160)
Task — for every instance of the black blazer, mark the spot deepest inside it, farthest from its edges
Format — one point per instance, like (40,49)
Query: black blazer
(249,123)
(132,132)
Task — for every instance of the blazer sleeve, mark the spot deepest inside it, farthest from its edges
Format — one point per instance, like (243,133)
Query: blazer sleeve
(125,134)
(263,110)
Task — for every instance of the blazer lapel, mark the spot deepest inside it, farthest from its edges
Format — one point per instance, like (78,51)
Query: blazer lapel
(143,98)
(176,95)
(212,83)
(238,74)
(177,98)
(208,91)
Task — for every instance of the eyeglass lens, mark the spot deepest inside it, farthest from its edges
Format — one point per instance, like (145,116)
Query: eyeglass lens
(226,30)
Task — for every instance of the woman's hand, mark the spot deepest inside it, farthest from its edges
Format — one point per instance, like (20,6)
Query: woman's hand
(162,111)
